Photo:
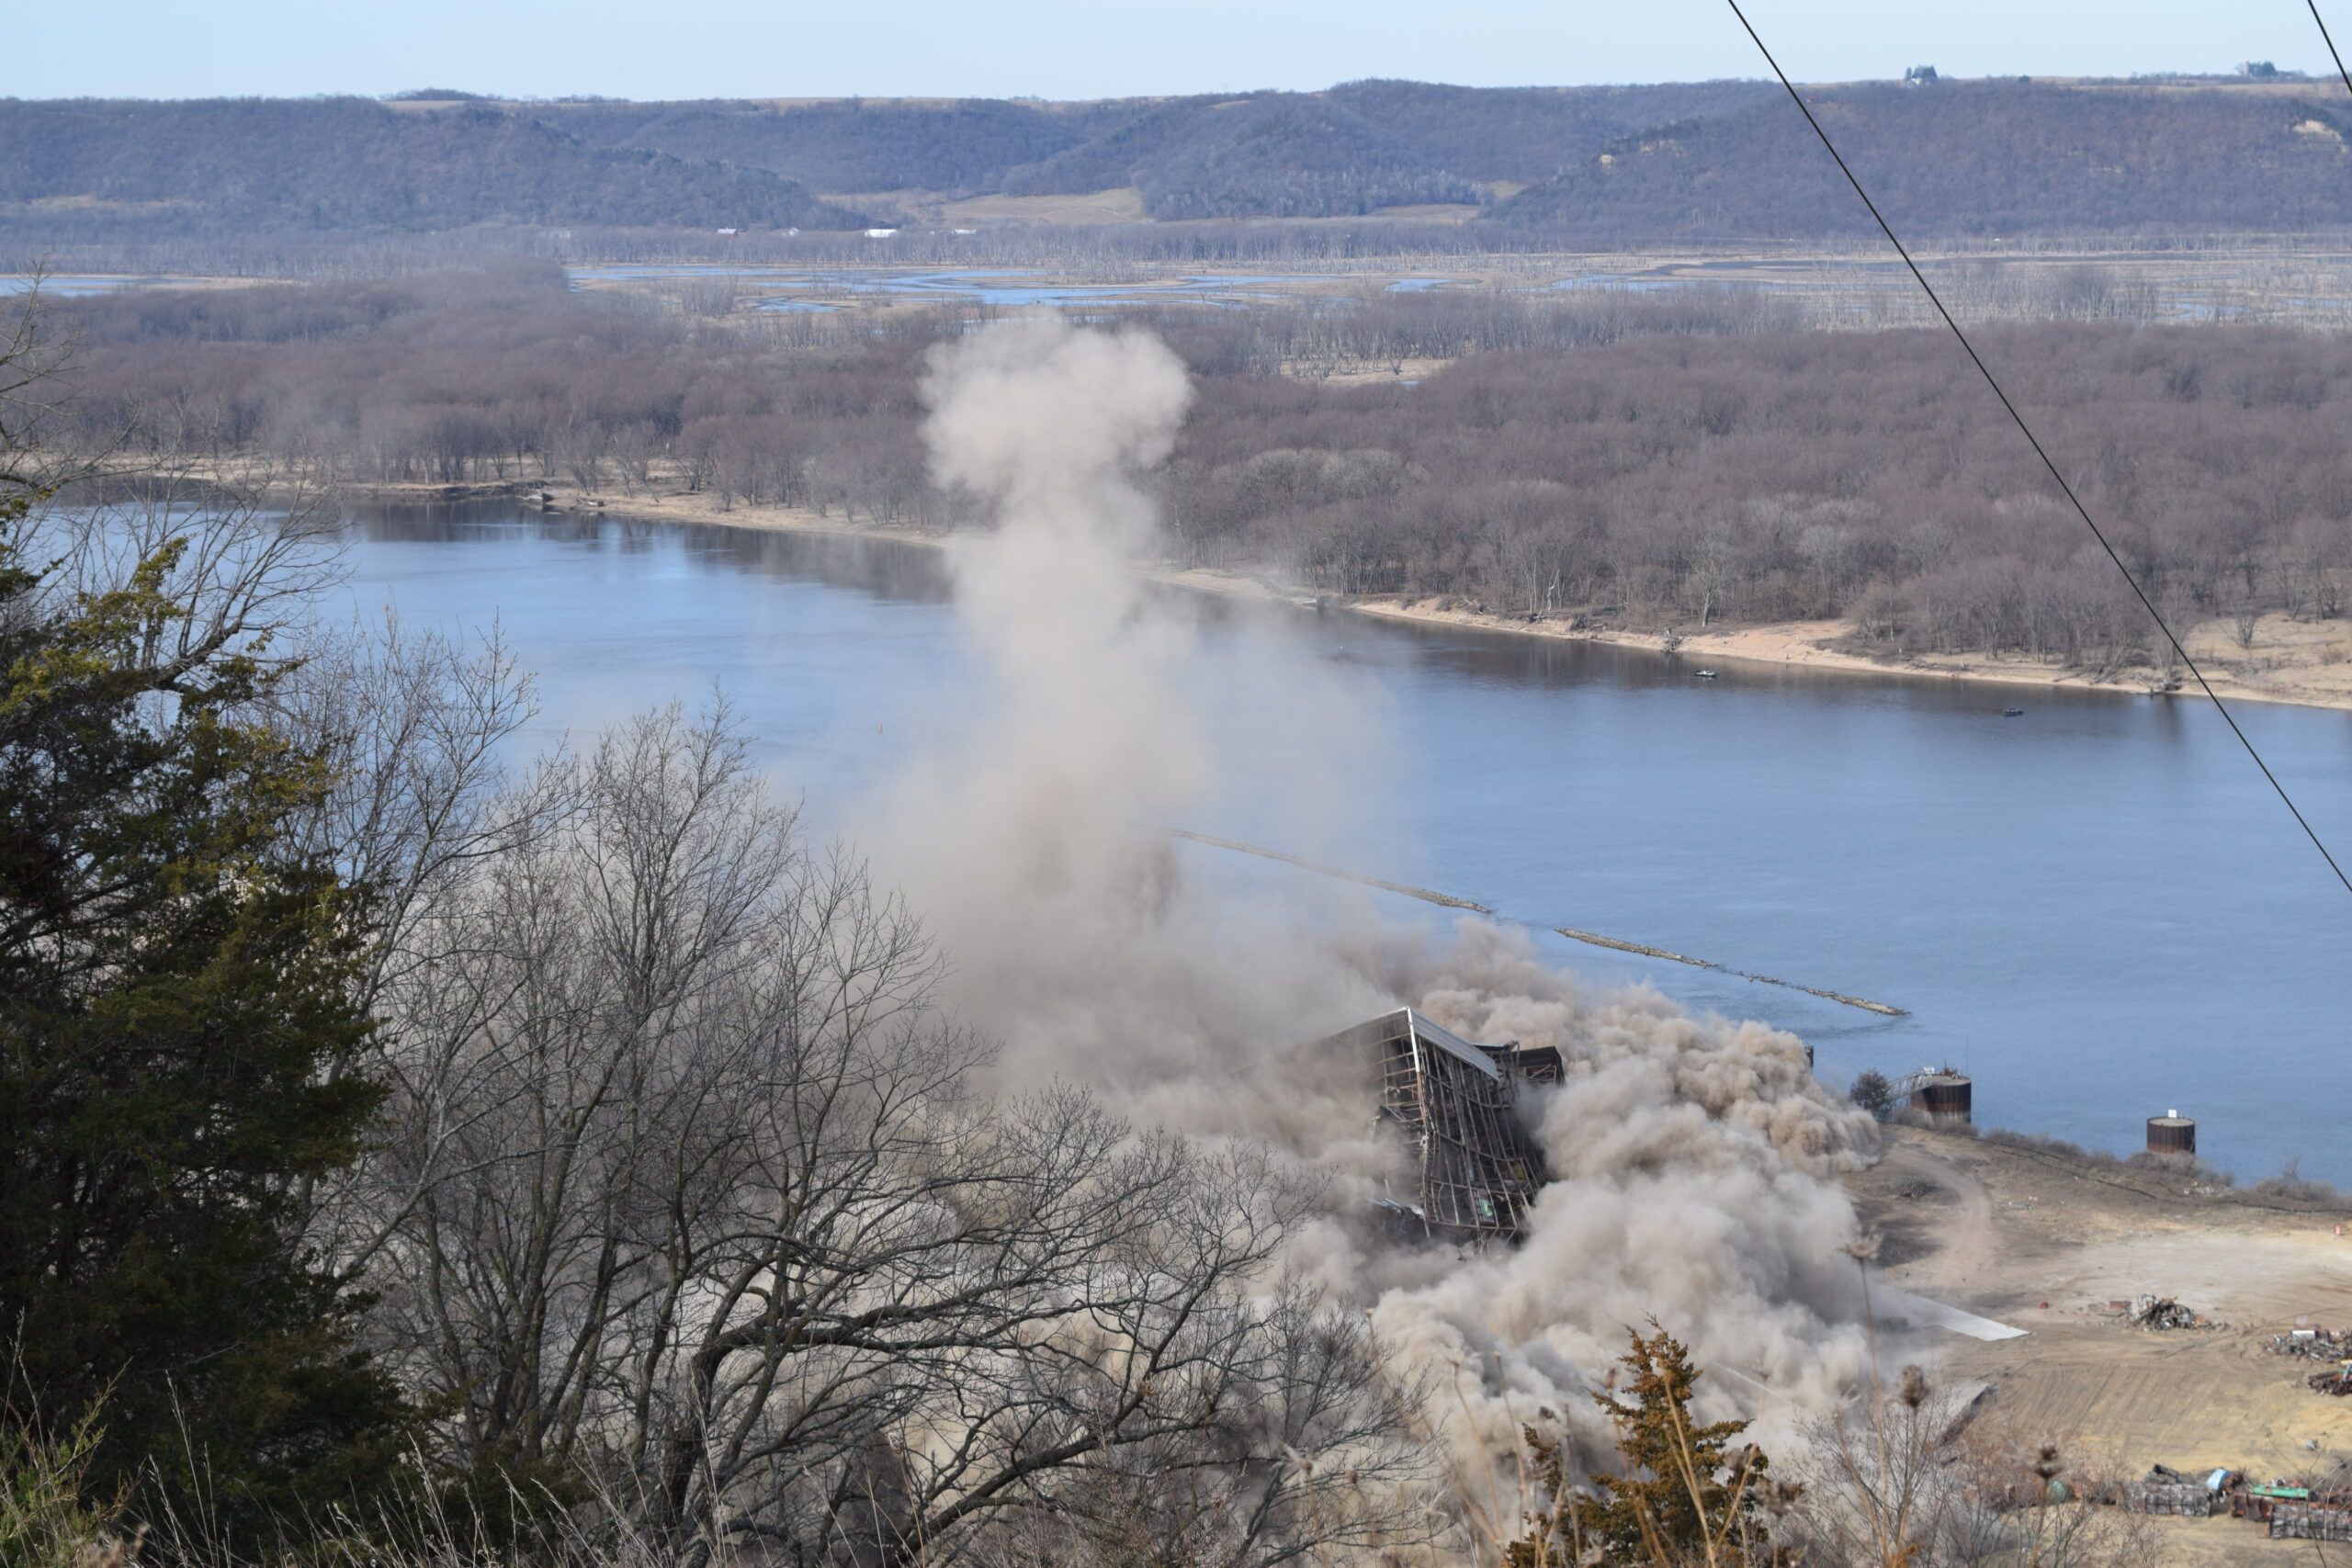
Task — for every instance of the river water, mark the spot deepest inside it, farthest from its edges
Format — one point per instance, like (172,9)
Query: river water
(2098,910)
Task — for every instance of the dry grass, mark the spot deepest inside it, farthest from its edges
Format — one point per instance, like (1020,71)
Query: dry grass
(49,1518)
(1122,204)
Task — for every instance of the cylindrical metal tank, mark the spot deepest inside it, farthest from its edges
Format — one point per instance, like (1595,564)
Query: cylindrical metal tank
(1946,1098)
(2172,1133)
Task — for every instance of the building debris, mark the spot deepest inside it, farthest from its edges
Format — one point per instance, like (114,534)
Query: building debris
(2332,1346)
(2338,1382)
(1477,1167)
(2320,1508)
(2313,1344)
(2156,1313)
(2250,1501)
(2313,1508)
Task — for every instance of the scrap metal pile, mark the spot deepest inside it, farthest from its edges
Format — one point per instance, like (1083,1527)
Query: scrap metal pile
(2332,1346)
(2311,1506)
(2321,1510)
(2158,1313)
(2316,1508)
(2312,1344)
(2338,1382)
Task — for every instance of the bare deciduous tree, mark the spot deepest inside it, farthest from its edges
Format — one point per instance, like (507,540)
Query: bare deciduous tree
(687,1194)
(1905,1476)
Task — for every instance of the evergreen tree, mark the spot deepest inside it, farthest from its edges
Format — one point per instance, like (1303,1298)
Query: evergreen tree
(176,1047)
(1874,1093)
(1685,1496)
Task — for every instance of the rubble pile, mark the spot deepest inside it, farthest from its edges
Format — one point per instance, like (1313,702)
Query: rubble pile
(2250,1502)
(2308,1508)
(2313,1344)
(2338,1382)
(2159,1313)
(2319,1510)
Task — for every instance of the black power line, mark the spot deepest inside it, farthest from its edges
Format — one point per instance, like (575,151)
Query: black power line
(2324,39)
(2027,431)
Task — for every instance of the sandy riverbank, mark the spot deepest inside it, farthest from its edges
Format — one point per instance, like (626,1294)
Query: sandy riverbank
(2304,662)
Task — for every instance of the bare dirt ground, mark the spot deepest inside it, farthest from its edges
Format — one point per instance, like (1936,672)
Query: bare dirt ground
(1366,373)
(1123,205)
(2001,1232)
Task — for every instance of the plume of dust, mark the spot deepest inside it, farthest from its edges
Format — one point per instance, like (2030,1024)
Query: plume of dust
(1693,1157)
(1692,1164)
(1028,849)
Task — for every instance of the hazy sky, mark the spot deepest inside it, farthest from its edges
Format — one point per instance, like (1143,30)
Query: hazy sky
(1076,49)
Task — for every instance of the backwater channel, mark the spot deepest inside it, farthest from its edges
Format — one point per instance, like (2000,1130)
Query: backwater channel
(2097,909)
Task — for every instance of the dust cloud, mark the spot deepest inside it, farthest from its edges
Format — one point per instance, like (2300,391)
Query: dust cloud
(1691,1162)
(1028,845)
(1693,1157)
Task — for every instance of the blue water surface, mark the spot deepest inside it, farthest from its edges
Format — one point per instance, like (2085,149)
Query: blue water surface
(2097,909)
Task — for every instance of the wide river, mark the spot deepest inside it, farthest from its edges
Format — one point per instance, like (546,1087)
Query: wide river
(2097,909)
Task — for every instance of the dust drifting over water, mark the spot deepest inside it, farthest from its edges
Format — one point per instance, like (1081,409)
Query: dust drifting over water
(1693,1157)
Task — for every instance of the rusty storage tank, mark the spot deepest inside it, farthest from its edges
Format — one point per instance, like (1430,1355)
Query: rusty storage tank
(2172,1133)
(1946,1098)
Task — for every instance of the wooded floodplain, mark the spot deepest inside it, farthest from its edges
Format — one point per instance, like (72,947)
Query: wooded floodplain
(1635,461)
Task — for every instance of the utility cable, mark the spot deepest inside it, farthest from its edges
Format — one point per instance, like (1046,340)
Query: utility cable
(2027,431)
(2330,41)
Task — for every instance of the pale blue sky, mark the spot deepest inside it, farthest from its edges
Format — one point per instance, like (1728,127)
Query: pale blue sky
(1071,48)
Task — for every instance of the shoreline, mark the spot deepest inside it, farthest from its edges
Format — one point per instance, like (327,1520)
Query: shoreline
(2308,663)
(2318,683)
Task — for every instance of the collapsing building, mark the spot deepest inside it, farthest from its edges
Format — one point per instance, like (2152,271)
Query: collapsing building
(1457,1105)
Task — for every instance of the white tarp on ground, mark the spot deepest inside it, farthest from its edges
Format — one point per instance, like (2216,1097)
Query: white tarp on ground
(1900,1308)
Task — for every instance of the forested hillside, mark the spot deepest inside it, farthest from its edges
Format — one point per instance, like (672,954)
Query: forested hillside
(1362,145)
(846,146)
(1273,155)
(1970,158)
(342,164)
(1525,134)
(1587,166)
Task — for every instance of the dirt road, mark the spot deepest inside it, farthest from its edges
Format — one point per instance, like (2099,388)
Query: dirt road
(2001,1232)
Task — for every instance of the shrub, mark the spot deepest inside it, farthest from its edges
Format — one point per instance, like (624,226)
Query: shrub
(1873,1094)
